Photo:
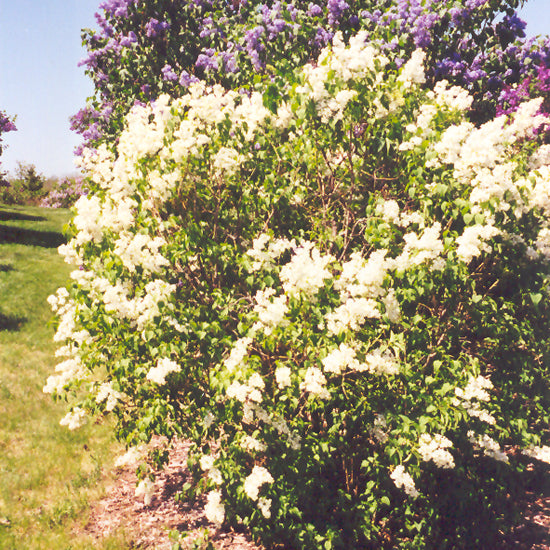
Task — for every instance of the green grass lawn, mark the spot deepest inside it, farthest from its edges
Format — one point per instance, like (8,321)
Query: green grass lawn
(48,474)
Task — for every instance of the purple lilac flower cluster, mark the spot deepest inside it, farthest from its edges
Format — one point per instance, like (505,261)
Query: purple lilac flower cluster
(65,193)
(6,124)
(144,48)
(535,85)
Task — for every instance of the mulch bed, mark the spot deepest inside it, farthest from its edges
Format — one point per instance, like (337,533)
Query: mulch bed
(149,526)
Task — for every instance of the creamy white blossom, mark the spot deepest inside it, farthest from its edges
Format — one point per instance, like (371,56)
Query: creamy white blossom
(391,304)
(488,445)
(380,361)
(66,372)
(145,489)
(74,419)
(306,271)
(159,373)
(264,505)
(130,457)
(426,248)
(388,210)
(413,70)
(434,448)
(539,453)
(339,359)
(454,97)
(254,481)
(107,393)
(238,353)
(140,250)
(214,509)
(283,377)
(314,383)
(351,315)
(271,310)
(404,481)
(249,443)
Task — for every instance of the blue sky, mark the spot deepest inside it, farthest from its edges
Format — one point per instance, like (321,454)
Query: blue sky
(41,83)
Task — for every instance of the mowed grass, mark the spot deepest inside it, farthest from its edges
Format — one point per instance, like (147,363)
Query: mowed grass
(48,474)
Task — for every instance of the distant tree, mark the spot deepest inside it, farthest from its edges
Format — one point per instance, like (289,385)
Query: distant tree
(25,187)
(31,180)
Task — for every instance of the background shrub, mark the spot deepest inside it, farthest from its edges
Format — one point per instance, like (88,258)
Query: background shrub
(146,48)
(26,186)
(65,193)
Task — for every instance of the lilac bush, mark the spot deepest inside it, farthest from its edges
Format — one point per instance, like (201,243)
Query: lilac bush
(145,48)
(304,243)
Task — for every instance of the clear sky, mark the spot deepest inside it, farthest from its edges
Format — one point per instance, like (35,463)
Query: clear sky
(41,83)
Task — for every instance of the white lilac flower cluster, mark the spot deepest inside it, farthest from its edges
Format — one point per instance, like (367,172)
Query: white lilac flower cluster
(130,457)
(539,453)
(119,299)
(249,391)
(403,480)
(434,449)
(145,489)
(472,394)
(252,485)
(344,357)
(163,368)
(214,509)
(207,465)
(265,257)
(74,419)
(413,70)
(67,371)
(473,241)
(340,62)
(238,353)
(270,309)
(140,250)
(487,445)
(442,96)
(481,160)
(283,377)
(106,393)
(314,383)
(306,271)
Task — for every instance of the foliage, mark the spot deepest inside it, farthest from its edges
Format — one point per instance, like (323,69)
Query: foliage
(65,193)
(344,278)
(145,48)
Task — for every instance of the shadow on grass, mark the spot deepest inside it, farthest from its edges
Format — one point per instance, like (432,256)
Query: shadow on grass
(18,235)
(11,323)
(6,215)
(5,267)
